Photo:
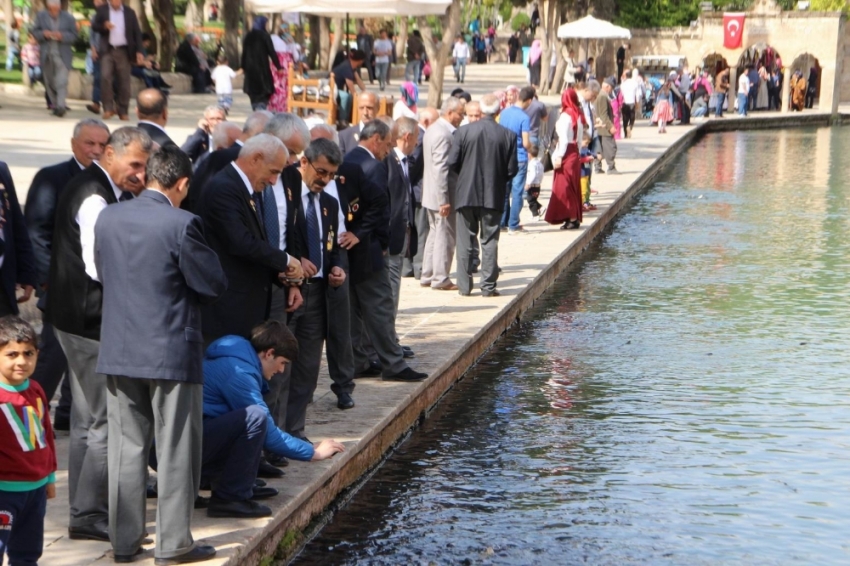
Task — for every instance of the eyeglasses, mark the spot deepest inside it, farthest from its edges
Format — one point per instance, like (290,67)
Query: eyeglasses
(329,175)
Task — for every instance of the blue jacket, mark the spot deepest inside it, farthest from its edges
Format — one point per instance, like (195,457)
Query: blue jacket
(233,379)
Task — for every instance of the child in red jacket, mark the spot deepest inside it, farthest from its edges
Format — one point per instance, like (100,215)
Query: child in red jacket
(27,453)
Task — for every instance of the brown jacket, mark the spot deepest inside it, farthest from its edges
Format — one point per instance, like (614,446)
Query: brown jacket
(721,83)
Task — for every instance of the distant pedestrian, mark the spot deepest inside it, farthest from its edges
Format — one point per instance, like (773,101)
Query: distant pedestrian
(55,29)
(383,58)
(565,204)
(120,47)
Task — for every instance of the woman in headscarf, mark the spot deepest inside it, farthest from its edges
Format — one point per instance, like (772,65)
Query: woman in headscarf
(258,60)
(534,62)
(406,106)
(663,113)
(565,204)
(278,100)
(798,91)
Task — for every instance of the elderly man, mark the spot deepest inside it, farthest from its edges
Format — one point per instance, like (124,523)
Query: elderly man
(473,112)
(55,30)
(413,265)
(200,142)
(87,145)
(192,61)
(605,123)
(485,158)
(367,105)
(120,45)
(74,310)
(438,188)
(152,110)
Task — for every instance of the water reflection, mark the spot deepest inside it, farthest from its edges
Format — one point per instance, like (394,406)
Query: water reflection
(680,397)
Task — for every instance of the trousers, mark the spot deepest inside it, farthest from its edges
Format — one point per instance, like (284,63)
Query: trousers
(609,150)
(52,364)
(309,325)
(510,217)
(56,80)
(338,350)
(277,398)
(23,540)
(475,223)
(372,310)
(628,119)
(439,249)
(232,446)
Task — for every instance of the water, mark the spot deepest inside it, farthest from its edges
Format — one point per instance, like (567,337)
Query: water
(682,396)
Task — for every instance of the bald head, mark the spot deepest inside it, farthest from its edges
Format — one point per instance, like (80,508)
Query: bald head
(256,123)
(152,106)
(225,134)
(367,105)
(324,132)
(428,116)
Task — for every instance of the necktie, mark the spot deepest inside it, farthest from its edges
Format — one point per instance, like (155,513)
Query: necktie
(314,242)
(258,207)
(125,195)
(270,217)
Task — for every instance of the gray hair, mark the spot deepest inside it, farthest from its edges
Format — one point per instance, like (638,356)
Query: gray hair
(329,131)
(285,125)
(86,122)
(190,37)
(406,125)
(490,105)
(256,122)
(222,133)
(452,104)
(322,147)
(54,3)
(122,138)
(264,144)
(592,86)
(214,108)
(375,128)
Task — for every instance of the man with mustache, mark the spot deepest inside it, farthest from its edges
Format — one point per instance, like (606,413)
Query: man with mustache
(74,310)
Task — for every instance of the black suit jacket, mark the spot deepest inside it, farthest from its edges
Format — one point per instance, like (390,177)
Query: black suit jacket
(291,179)
(363,192)
(402,204)
(417,167)
(329,212)
(209,168)
(40,210)
(156,269)
(186,61)
(196,145)
(18,259)
(234,230)
(483,155)
(158,136)
(349,139)
(131,28)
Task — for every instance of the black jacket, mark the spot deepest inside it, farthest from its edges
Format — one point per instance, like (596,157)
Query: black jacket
(483,155)
(257,50)
(329,212)
(18,260)
(74,300)
(207,169)
(186,61)
(234,231)
(131,29)
(402,204)
(156,269)
(349,139)
(196,145)
(40,210)
(157,135)
(417,167)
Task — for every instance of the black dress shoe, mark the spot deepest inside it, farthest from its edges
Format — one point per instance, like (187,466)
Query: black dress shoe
(344,401)
(264,493)
(202,502)
(259,483)
(127,558)
(151,492)
(491,294)
(277,460)
(407,352)
(237,509)
(62,423)
(266,470)
(89,532)
(374,370)
(198,554)
(406,374)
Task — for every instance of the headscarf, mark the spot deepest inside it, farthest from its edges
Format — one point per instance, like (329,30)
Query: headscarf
(503,98)
(571,105)
(260,22)
(536,52)
(409,94)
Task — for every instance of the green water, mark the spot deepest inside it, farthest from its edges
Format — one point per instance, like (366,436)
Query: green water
(681,396)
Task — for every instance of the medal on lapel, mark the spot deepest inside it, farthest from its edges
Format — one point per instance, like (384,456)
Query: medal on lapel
(289,194)
(324,211)
(330,240)
(253,205)
(356,137)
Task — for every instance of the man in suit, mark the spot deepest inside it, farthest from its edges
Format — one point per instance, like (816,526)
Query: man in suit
(606,129)
(74,310)
(484,157)
(55,30)
(367,106)
(156,269)
(318,223)
(413,266)
(87,145)
(363,182)
(120,46)
(438,187)
(152,110)
(201,142)
(232,210)
(18,268)
(221,158)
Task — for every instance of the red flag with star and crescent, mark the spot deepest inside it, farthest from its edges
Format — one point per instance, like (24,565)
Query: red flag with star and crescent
(733,30)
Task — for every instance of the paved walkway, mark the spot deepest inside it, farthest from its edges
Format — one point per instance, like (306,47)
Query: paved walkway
(440,326)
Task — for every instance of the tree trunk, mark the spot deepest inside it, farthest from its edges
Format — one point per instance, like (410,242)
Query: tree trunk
(315,43)
(9,14)
(339,34)
(163,13)
(139,7)
(230,13)
(324,43)
(401,38)
(450,24)
(194,15)
(550,16)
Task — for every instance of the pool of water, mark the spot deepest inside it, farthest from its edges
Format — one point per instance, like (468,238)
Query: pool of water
(680,396)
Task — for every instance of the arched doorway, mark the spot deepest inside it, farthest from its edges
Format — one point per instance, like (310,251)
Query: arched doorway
(714,63)
(762,63)
(809,68)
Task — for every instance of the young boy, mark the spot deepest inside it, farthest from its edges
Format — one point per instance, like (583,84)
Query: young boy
(586,157)
(223,77)
(27,453)
(533,181)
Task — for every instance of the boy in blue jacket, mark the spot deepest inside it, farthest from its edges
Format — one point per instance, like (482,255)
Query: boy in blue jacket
(237,422)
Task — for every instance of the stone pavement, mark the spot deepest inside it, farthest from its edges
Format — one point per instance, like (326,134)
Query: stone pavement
(447,332)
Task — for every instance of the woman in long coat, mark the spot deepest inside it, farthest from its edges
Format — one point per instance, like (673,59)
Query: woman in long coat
(257,52)
(565,204)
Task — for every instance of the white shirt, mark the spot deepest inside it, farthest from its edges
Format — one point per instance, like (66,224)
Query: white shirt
(535,172)
(305,201)
(461,50)
(331,189)
(629,89)
(383,45)
(117,36)
(223,77)
(744,84)
(400,110)
(564,129)
(80,165)
(281,205)
(404,161)
(86,219)
(587,109)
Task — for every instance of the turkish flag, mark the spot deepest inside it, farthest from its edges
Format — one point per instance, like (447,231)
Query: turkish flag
(733,30)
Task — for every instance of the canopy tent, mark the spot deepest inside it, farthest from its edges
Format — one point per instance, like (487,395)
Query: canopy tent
(361,9)
(591,28)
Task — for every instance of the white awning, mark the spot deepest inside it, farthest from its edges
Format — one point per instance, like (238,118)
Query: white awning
(591,28)
(360,9)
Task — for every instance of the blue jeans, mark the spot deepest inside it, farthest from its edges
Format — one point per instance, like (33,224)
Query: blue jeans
(233,444)
(413,71)
(95,87)
(24,540)
(720,98)
(12,55)
(460,68)
(511,215)
(742,104)
(383,71)
(699,112)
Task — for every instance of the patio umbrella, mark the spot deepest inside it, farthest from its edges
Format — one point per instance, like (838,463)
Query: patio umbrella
(589,28)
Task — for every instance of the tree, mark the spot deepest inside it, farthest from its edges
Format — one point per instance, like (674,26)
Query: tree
(439,57)
(230,14)
(549,20)
(163,14)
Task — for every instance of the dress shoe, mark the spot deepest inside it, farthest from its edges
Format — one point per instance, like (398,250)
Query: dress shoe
(449,287)
(58,112)
(62,423)
(264,493)
(266,470)
(124,117)
(108,114)
(127,558)
(202,502)
(198,554)
(259,483)
(374,370)
(237,509)
(344,401)
(151,492)
(277,460)
(424,284)
(406,374)
(93,108)
(89,532)
(407,352)
(491,294)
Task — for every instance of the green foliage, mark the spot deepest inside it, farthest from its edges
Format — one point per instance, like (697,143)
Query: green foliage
(505,10)
(830,6)
(521,19)
(81,44)
(657,13)
(180,7)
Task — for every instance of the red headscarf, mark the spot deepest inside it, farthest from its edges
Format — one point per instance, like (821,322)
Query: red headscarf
(571,105)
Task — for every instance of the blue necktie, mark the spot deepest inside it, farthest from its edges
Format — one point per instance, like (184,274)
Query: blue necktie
(270,217)
(314,241)
(125,196)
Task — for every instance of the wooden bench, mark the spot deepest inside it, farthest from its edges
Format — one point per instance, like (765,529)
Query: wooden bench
(310,96)
(385,108)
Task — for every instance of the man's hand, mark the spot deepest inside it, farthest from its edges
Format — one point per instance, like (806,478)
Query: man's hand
(445,210)
(326,449)
(294,271)
(294,299)
(336,277)
(204,125)
(612,130)
(310,270)
(27,293)
(51,490)
(348,240)
(108,25)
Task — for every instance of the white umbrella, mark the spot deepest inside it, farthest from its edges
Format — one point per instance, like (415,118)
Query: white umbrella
(591,28)
(360,9)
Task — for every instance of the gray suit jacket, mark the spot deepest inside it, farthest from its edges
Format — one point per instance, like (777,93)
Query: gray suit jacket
(156,270)
(68,27)
(438,181)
